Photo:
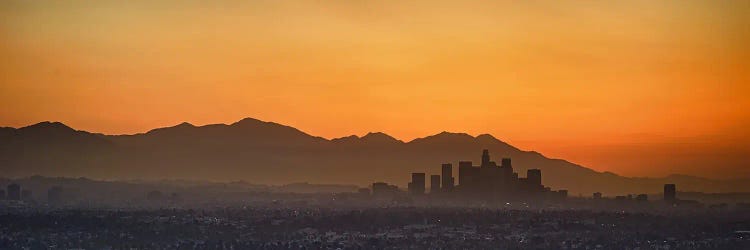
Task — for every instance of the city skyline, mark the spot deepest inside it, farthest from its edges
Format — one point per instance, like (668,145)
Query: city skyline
(639,88)
(374,124)
(716,175)
(487,181)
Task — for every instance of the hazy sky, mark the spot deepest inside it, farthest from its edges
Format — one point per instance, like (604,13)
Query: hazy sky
(639,88)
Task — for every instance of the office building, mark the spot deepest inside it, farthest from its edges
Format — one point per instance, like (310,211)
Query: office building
(434,183)
(447,175)
(488,181)
(417,184)
(534,177)
(466,174)
(485,158)
(670,192)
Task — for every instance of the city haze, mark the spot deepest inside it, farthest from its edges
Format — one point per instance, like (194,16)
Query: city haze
(637,88)
(339,124)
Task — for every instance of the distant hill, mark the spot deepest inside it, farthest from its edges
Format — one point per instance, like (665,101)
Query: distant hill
(269,153)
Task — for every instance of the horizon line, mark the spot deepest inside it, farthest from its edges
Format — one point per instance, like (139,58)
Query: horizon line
(264,121)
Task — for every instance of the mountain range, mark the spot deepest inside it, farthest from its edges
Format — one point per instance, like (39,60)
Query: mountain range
(269,153)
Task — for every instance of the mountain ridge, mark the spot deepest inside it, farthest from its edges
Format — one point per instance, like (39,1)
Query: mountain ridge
(266,151)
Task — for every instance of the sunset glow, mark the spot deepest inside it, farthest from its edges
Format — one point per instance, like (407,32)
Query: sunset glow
(639,88)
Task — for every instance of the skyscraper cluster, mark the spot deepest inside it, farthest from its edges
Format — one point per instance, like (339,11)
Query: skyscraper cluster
(488,180)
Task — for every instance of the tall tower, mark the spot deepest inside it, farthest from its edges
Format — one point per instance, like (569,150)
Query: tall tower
(465,174)
(447,174)
(670,192)
(534,177)
(506,163)
(417,184)
(434,184)
(485,158)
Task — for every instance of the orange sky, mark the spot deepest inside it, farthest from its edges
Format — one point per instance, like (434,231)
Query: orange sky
(639,88)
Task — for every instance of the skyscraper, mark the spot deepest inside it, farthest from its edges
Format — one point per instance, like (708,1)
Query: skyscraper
(534,177)
(487,181)
(14,192)
(417,184)
(485,158)
(434,184)
(465,174)
(507,173)
(447,174)
(505,162)
(670,192)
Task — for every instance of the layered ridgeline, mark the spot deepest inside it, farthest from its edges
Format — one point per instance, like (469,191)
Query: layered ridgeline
(269,153)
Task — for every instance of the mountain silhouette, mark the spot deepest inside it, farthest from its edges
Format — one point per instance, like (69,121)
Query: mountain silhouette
(270,153)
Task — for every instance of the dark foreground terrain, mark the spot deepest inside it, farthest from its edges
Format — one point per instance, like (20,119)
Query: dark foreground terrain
(370,228)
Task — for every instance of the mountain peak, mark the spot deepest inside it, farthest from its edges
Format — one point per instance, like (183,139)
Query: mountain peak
(252,122)
(47,125)
(379,137)
(185,125)
(346,138)
(372,138)
(178,127)
(445,138)
(260,128)
(255,123)
(248,120)
(452,135)
(444,133)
